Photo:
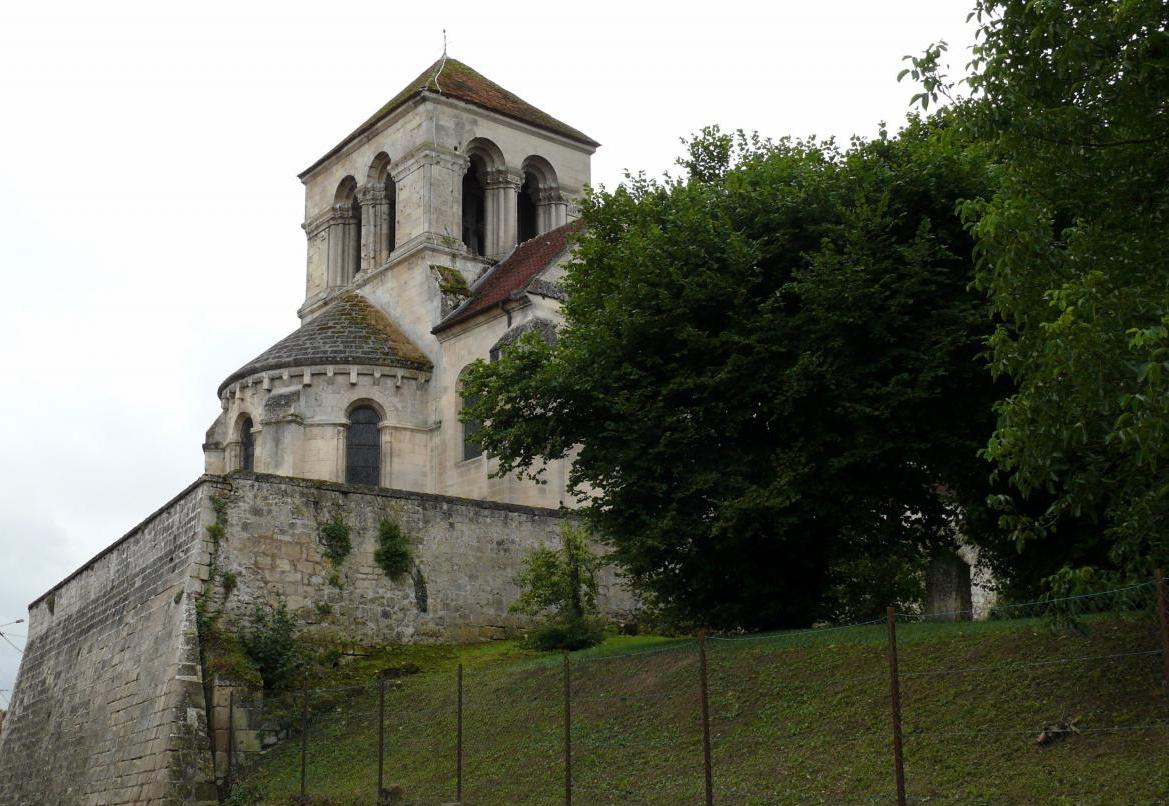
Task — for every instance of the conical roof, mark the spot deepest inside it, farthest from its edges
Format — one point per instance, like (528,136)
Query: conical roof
(350,331)
(453,79)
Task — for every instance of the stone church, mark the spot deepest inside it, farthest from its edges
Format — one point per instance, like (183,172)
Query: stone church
(436,232)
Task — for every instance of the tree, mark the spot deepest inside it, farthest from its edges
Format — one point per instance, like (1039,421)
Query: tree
(1070,95)
(561,587)
(767,370)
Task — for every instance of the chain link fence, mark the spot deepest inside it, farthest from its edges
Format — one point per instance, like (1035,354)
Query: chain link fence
(906,708)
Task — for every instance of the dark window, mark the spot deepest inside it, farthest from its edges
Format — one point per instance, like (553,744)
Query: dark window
(526,210)
(247,445)
(355,245)
(363,447)
(391,203)
(471,446)
(474,211)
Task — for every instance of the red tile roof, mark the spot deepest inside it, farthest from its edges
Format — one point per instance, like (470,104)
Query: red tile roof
(512,274)
(457,80)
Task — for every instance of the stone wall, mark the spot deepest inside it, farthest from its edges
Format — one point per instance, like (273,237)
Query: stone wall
(459,587)
(108,704)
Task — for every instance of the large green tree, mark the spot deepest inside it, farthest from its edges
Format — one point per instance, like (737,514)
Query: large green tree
(1072,96)
(767,372)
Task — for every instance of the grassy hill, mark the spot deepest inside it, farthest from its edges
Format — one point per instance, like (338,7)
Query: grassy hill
(796,718)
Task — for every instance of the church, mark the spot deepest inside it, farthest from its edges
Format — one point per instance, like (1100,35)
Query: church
(436,235)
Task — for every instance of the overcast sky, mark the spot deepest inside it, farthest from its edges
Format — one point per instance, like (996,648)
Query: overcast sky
(150,211)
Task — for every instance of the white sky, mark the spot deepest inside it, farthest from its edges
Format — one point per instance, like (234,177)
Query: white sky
(150,211)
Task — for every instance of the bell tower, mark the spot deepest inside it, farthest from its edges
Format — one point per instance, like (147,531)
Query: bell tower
(451,172)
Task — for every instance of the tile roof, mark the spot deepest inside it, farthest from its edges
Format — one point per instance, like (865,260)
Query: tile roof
(457,80)
(512,274)
(350,331)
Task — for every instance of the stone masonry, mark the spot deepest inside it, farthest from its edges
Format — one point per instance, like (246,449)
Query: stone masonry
(110,707)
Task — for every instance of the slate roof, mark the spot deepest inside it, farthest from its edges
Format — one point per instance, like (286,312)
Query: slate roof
(512,275)
(350,331)
(457,80)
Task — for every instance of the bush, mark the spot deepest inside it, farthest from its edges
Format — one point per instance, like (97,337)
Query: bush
(335,537)
(561,585)
(393,549)
(269,639)
(567,632)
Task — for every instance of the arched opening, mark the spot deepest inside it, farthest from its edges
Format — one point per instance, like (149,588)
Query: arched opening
(363,447)
(347,210)
(381,217)
(539,199)
(471,447)
(475,207)
(526,209)
(247,445)
(391,235)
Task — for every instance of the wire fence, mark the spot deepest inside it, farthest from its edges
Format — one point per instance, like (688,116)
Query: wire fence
(1064,698)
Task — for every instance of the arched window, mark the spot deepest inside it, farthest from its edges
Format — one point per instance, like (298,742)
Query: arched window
(475,208)
(347,213)
(391,235)
(247,445)
(363,447)
(526,209)
(471,447)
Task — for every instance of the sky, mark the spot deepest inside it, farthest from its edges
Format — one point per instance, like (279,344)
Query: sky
(150,211)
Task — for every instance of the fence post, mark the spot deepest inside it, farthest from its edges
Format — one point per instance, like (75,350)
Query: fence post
(303,735)
(705,718)
(567,734)
(895,706)
(459,741)
(381,733)
(230,738)
(1163,618)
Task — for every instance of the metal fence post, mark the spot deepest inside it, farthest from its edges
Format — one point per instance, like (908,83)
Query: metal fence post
(459,740)
(895,706)
(230,738)
(705,718)
(567,734)
(381,732)
(303,735)
(1163,618)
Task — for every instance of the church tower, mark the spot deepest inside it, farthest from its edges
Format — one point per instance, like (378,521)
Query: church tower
(435,234)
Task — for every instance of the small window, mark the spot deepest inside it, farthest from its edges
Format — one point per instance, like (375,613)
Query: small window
(363,447)
(526,210)
(471,446)
(474,209)
(247,446)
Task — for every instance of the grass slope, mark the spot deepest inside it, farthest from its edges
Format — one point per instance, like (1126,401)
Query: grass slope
(796,718)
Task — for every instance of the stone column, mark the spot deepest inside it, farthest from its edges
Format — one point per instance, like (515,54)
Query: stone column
(551,210)
(386,457)
(373,227)
(503,190)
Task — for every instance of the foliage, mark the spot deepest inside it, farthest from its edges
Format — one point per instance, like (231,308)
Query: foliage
(268,636)
(567,632)
(862,585)
(335,538)
(762,364)
(393,549)
(560,581)
(1071,97)
(561,586)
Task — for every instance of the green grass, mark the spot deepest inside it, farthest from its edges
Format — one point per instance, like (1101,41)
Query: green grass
(795,718)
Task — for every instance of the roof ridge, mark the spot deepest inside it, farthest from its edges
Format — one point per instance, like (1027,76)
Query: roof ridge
(463,83)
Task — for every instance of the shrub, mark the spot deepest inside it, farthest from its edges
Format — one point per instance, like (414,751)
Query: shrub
(561,585)
(393,549)
(269,639)
(335,538)
(567,632)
